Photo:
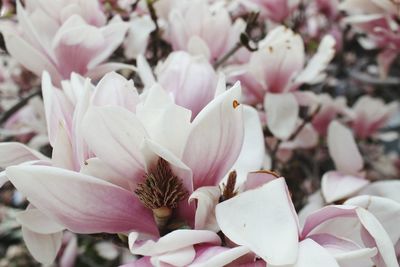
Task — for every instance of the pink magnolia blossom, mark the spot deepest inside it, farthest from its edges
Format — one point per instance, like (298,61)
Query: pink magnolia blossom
(125,150)
(275,10)
(62,40)
(378,20)
(330,236)
(370,114)
(194,26)
(190,80)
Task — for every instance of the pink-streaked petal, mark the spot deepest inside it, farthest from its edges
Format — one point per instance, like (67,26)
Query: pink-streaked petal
(29,57)
(115,135)
(97,168)
(387,212)
(43,247)
(217,256)
(374,235)
(57,107)
(257,179)
(325,214)
(13,153)
(142,262)
(244,221)
(211,153)
(38,222)
(313,255)
(282,114)
(70,253)
(171,242)
(91,205)
(113,89)
(207,198)
(336,186)
(343,149)
(180,257)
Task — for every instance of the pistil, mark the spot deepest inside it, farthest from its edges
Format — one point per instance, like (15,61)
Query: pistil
(161,192)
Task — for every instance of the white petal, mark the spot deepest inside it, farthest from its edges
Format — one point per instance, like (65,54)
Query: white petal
(262,219)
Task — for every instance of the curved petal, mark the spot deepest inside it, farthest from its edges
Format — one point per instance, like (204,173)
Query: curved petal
(270,230)
(251,156)
(171,242)
(13,153)
(336,186)
(43,247)
(217,256)
(343,149)
(36,221)
(388,189)
(207,198)
(89,206)
(282,114)
(313,255)
(113,89)
(179,257)
(115,135)
(215,139)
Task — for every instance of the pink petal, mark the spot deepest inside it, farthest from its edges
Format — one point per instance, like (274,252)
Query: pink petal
(210,154)
(257,179)
(336,186)
(343,149)
(43,247)
(173,241)
(180,257)
(57,107)
(325,214)
(90,205)
(36,221)
(217,256)
(115,135)
(13,153)
(113,89)
(270,230)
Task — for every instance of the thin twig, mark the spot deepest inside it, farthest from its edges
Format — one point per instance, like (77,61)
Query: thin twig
(293,135)
(7,114)
(230,53)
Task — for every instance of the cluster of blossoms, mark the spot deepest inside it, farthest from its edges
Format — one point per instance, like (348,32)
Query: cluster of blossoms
(200,132)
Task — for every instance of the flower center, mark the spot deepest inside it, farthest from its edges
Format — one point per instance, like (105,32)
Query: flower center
(161,192)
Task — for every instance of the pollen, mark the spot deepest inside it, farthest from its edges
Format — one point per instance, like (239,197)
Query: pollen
(235,103)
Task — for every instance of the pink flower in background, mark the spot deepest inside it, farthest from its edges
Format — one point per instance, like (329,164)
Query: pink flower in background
(369,114)
(275,10)
(190,80)
(75,40)
(377,19)
(348,177)
(200,28)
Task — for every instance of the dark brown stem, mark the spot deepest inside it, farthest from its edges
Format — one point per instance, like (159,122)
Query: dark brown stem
(7,114)
(230,53)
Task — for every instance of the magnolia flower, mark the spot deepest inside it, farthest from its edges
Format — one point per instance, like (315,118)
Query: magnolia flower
(348,177)
(274,10)
(378,20)
(190,80)
(138,36)
(195,27)
(137,155)
(369,115)
(332,236)
(76,40)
